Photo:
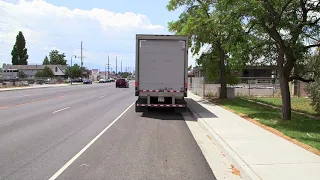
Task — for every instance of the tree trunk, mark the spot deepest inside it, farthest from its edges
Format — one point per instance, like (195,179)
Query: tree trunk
(223,77)
(286,99)
(284,88)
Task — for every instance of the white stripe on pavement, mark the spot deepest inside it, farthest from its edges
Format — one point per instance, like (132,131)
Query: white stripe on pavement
(60,110)
(88,145)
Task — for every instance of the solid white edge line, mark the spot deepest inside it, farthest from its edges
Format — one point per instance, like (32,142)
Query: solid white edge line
(88,145)
(60,110)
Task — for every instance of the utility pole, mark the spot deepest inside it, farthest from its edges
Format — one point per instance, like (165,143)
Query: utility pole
(116,66)
(81,55)
(108,67)
(105,71)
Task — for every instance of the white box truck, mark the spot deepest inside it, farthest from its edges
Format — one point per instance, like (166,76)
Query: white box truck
(161,72)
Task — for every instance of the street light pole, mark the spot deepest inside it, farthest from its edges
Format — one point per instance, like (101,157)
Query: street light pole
(71,67)
(116,66)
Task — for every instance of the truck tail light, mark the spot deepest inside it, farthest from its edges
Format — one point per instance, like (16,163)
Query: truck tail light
(137,84)
(186,87)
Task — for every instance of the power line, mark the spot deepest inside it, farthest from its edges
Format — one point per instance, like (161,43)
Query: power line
(31,28)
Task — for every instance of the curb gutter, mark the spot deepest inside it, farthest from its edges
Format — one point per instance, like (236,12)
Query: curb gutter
(19,89)
(245,171)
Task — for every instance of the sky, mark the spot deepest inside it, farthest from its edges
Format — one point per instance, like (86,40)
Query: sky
(105,27)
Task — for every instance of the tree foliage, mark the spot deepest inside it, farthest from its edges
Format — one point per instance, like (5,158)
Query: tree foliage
(57,58)
(46,61)
(314,87)
(19,51)
(223,35)
(75,71)
(124,74)
(240,32)
(46,72)
(293,27)
(21,74)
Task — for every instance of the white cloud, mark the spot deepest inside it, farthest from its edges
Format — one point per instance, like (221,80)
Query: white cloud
(46,26)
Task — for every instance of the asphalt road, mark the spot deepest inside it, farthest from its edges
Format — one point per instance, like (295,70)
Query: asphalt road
(42,129)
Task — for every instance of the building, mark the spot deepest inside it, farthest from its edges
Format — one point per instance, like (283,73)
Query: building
(94,74)
(11,71)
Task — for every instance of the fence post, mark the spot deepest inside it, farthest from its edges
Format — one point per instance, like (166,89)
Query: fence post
(249,86)
(203,87)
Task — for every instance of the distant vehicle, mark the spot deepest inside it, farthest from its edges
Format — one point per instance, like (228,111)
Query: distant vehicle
(121,82)
(87,81)
(102,81)
(112,80)
(161,72)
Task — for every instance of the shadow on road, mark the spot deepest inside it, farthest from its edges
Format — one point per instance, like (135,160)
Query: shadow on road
(166,114)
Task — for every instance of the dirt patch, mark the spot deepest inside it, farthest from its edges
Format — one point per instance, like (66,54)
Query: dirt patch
(235,170)
(276,132)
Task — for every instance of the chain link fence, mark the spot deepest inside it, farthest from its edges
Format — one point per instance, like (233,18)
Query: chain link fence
(253,86)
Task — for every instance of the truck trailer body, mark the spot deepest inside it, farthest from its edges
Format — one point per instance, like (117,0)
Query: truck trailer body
(161,72)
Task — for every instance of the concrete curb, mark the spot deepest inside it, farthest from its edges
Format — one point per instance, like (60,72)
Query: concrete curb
(245,171)
(17,89)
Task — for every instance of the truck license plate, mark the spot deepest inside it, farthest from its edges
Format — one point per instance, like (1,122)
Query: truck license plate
(160,99)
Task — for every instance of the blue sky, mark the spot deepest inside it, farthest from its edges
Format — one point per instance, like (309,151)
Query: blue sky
(105,27)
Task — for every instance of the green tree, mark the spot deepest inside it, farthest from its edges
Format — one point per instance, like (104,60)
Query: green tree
(207,26)
(21,74)
(289,24)
(74,71)
(39,74)
(314,87)
(47,72)
(57,58)
(124,74)
(46,61)
(3,65)
(19,51)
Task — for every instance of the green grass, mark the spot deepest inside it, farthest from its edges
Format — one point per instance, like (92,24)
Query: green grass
(299,128)
(297,103)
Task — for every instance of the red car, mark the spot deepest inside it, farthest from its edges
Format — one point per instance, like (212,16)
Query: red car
(122,83)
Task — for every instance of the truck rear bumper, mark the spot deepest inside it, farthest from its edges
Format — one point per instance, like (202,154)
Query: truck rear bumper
(142,105)
(161,105)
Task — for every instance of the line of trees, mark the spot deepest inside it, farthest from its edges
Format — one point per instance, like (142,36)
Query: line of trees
(282,33)
(20,56)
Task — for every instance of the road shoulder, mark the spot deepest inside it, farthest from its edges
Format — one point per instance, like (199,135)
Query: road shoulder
(220,165)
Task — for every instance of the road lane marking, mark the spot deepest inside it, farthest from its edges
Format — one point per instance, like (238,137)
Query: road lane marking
(60,110)
(46,92)
(59,172)
(101,97)
(32,102)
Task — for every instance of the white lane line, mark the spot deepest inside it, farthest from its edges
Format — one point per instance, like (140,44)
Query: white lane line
(88,145)
(101,97)
(60,110)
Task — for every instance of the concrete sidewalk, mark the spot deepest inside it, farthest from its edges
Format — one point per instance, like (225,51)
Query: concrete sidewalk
(34,87)
(257,153)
